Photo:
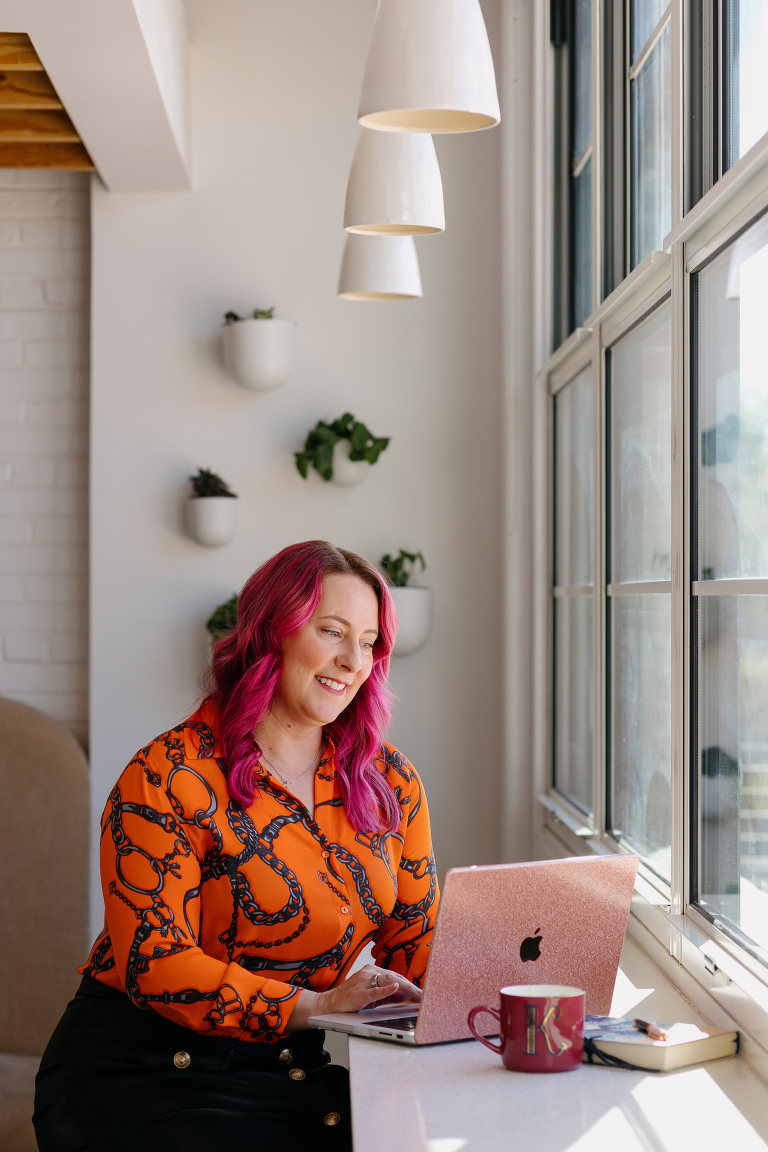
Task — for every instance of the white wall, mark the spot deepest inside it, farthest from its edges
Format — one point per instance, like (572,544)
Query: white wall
(273,101)
(44,292)
(519,292)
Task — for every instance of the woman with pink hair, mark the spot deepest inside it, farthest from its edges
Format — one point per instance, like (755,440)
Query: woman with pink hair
(248,856)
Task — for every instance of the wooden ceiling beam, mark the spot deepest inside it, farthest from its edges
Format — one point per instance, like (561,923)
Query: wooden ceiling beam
(17,53)
(26,91)
(119,70)
(72,156)
(36,128)
(35,131)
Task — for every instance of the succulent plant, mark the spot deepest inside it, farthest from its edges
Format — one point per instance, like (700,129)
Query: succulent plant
(323,438)
(401,568)
(207,483)
(224,619)
(258,314)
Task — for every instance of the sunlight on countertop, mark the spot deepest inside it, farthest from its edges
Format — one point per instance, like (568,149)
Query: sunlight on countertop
(459,1098)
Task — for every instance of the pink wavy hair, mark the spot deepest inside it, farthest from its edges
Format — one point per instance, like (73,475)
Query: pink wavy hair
(279,599)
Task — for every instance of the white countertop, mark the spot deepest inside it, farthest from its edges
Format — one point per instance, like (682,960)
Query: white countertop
(460,1098)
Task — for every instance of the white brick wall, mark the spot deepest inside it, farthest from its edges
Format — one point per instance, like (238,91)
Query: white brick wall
(44,311)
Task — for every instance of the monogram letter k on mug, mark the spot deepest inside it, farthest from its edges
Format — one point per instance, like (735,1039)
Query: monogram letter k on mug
(541,1027)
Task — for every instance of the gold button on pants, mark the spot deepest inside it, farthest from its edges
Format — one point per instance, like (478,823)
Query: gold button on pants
(285,1056)
(331,1119)
(182,1059)
(297,1074)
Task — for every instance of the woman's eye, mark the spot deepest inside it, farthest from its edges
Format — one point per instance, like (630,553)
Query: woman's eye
(368,644)
(332,632)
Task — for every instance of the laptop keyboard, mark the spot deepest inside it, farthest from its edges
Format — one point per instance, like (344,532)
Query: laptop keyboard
(402,1023)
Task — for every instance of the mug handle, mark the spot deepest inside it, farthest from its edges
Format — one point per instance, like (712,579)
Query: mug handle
(473,1012)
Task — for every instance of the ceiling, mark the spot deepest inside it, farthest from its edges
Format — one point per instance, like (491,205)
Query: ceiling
(35,130)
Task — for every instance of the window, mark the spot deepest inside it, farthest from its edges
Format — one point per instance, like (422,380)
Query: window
(727,87)
(730,588)
(653,561)
(572,765)
(581,162)
(744,77)
(636,72)
(650,88)
(639,589)
(572,36)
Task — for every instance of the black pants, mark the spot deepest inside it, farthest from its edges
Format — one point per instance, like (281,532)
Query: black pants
(116,1078)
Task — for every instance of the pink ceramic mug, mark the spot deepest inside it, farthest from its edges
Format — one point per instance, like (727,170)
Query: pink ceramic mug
(541,1027)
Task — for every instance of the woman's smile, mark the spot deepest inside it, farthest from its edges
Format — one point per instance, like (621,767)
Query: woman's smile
(335,686)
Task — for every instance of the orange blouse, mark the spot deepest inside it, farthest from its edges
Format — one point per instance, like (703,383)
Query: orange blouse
(217,916)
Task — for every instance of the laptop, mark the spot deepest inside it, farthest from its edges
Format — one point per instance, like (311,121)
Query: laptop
(547,922)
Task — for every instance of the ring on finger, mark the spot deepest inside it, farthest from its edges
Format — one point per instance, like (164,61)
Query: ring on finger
(375,981)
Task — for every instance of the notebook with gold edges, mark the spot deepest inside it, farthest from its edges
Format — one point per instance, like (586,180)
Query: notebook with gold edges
(619,1040)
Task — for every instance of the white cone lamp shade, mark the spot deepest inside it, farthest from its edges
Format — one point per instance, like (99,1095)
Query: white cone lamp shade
(379,268)
(394,186)
(429,68)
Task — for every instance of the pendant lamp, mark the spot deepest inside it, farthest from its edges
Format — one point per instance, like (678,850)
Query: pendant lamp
(429,68)
(379,268)
(394,186)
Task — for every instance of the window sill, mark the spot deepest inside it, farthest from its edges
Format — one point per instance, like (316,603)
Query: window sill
(458,1097)
(728,989)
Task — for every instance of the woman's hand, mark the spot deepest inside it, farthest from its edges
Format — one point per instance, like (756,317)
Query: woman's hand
(356,992)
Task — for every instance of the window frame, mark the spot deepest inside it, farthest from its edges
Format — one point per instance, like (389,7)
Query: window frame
(611,335)
(575,364)
(630,75)
(713,970)
(563,174)
(706,249)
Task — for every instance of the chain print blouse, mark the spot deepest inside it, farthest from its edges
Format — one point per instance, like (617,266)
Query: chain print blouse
(217,916)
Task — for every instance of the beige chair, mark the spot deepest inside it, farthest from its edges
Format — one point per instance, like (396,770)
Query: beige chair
(43,899)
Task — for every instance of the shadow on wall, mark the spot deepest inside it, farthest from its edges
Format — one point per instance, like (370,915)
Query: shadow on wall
(43,899)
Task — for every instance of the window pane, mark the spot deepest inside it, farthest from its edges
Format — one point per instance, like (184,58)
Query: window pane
(581,231)
(645,16)
(745,76)
(641,727)
(572,767)
(580,189)
(651,145)
(573,481)
(581,65)
(573,699)
(641,456)
(733,742)
(733,410)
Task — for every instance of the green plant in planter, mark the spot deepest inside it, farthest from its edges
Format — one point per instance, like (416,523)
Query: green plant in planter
(323,438)
(207,483)
(258,314)
(402,568)
(224,619)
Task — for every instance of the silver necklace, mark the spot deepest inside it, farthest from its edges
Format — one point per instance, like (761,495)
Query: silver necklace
(293,779)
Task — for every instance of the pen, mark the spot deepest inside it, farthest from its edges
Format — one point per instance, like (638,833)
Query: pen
(651,1030)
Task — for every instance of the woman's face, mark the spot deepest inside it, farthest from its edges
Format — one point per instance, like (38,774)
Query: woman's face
(327,660)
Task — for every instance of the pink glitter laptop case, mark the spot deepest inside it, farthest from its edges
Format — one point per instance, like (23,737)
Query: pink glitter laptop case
(548,922)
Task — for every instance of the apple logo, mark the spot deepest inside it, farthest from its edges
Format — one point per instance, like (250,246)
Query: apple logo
(530,949)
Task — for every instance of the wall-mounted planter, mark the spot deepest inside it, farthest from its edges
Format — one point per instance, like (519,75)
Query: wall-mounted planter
(259,354)
(212,520)
(347,473)
(328,449)
(414,614)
